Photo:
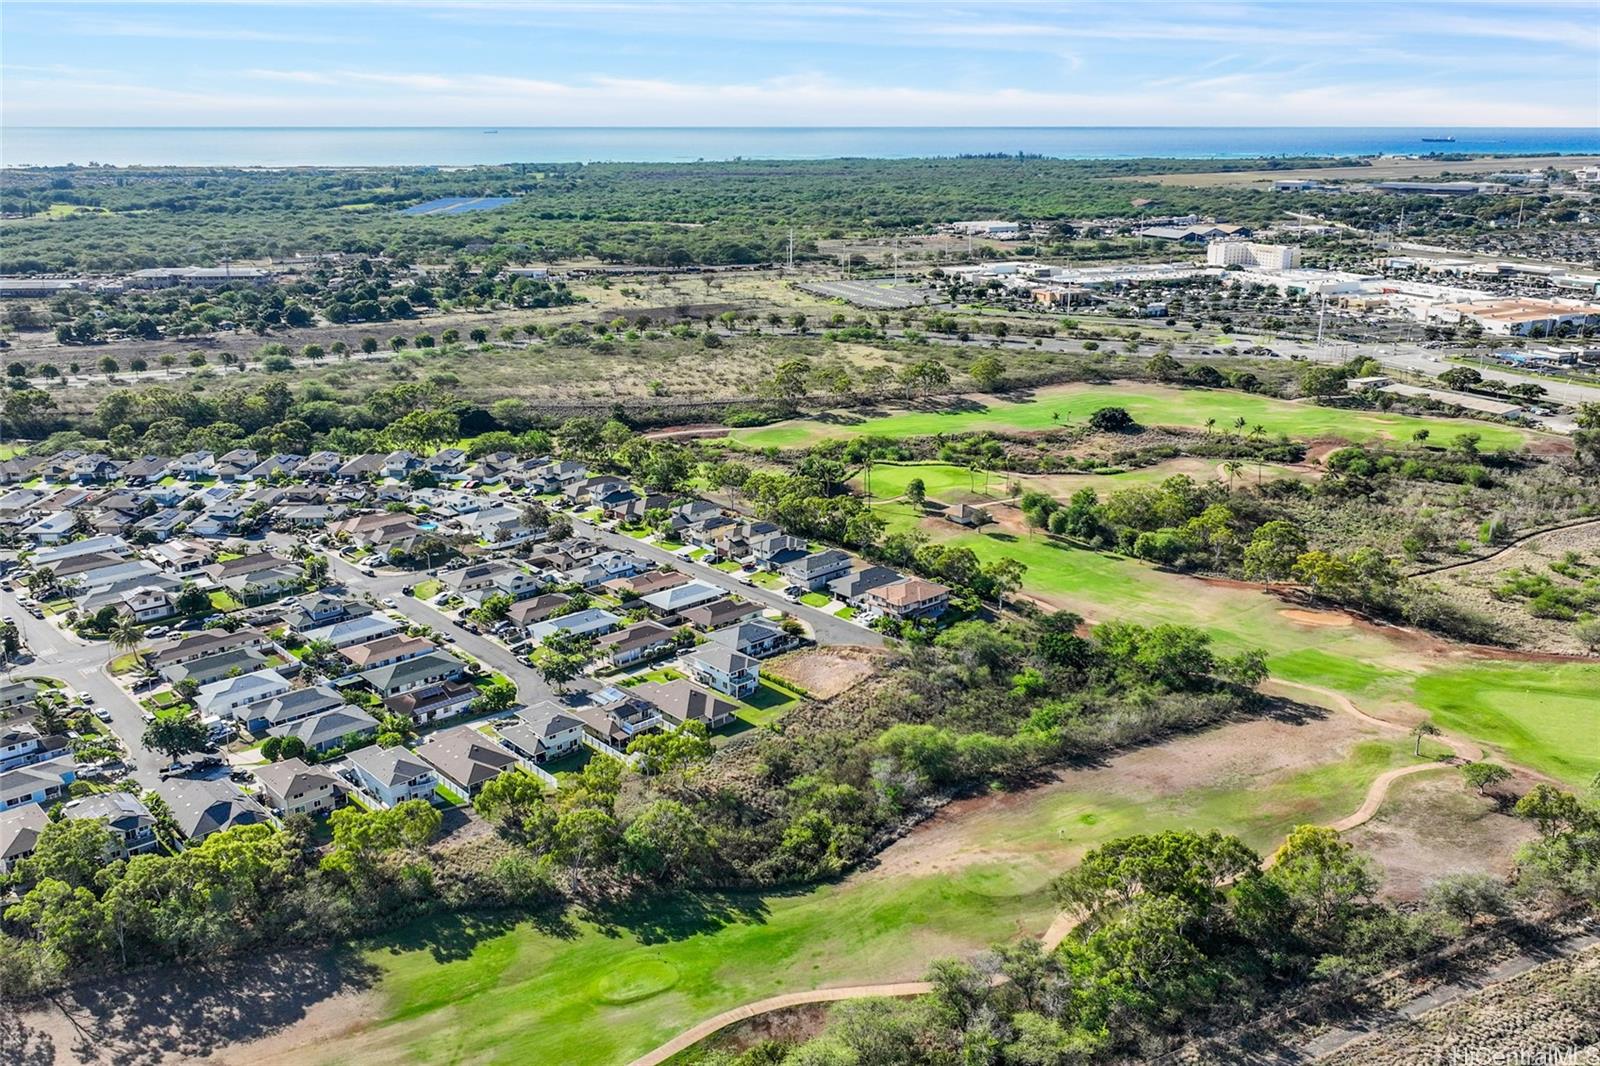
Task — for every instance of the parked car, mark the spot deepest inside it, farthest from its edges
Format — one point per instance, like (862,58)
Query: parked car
(157,631)
(102,714)
(388,601)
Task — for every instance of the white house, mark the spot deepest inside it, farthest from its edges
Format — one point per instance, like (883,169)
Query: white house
(392,775)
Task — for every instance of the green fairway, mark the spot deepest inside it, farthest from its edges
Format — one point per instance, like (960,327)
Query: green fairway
(1542,715)
(603,991)
(1066,405)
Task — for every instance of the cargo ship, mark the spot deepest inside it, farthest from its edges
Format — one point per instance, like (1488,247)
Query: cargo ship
(1438,140)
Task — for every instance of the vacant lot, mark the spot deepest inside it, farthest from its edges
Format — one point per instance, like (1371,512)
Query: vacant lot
(1064,405)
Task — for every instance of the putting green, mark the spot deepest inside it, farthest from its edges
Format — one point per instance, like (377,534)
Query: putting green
(1543,715)
(1065,405)
(639,979)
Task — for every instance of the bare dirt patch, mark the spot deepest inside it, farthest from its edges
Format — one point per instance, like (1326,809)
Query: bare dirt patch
(1319,619)
(824,673)
(1434,825)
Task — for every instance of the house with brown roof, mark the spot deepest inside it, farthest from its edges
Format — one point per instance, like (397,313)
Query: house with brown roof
(911,598)
(387,651)
(637,643)
(679,702)
(719,614)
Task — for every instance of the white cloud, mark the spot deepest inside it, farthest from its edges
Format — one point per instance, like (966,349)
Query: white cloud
(365,97)
(196,31)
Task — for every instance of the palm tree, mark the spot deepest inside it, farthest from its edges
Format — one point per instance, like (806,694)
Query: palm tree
(126,634)
(1211,424)
(1232,466)
(401,725)
(1257,431)
(1238,424)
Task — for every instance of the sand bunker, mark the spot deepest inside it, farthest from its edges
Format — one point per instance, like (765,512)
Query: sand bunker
(1329,619)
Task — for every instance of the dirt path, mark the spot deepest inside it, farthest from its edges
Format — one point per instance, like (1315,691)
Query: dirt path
(1065,922)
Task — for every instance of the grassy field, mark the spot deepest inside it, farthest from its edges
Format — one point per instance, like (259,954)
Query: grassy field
(1065,405)
(1542,715)
(603,990)
(1545,717)
(956,484)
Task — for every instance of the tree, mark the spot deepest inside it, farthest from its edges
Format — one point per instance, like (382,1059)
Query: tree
(72,850)
(666,841)
(1484,775)
(175,734)
(1112,420)
(516,802)
(1326,881)
(557,667)
(986,371)
(1588,633)
(917,492)
(1424,728)
(1273,550)
(125,635)
(661,752)
(396,729)
(1460,377)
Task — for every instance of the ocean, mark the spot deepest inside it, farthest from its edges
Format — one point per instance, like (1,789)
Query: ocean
(476,145)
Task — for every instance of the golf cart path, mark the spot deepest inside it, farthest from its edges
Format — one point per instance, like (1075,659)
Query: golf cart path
(1065,922)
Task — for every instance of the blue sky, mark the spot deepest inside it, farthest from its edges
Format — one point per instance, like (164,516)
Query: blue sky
(865,63)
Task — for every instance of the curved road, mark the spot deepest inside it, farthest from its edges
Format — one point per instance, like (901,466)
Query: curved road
(1377,792)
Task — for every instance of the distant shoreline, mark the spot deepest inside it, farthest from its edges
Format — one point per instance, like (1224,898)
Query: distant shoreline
(279,147)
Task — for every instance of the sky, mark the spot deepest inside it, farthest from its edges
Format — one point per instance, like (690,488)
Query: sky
(989,63)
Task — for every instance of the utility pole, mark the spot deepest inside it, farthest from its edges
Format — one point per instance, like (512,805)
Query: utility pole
(791,247)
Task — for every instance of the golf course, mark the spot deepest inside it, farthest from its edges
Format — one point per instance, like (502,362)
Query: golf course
(1057,406)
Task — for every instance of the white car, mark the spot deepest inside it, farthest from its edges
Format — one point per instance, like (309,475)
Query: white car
(102,714)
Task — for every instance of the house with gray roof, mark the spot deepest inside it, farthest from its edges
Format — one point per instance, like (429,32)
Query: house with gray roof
(328,729)
(429,669)
(234,695)
(133,827)
(465,758)
(814,571)
(19,834)
(40,782)
(292,787)
(291,706)
(391,775)
(202,808)
(343,634)
(542,733)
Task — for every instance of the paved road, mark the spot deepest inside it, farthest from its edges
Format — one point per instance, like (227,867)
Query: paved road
(826,629)
(82,666)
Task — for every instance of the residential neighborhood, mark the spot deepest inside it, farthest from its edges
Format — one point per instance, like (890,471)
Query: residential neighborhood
(329,629)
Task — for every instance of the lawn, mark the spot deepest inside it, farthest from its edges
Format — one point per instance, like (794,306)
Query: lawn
(602,989)
(1544,715)
(816,599)
(222,600)
(1066,405)
(766,704)
(427,588)
(125,664)
(450,795)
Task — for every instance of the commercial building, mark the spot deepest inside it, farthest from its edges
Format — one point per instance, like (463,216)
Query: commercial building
(1268,257)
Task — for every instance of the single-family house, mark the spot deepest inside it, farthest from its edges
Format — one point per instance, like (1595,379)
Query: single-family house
(348,631)
(16,693)
(146,603)
(637,643)
(853,587)
(756,638)
(724,669)
(591,622)
(429,668)
(204,671)
(202,808)
(39,782)
(186,649)
(775,550)
(292,787)
(433,703)
(320,466)
(679,702)
(466,758)
(814,571)
(719,614)
(672,602)
(392,775)
(912,598)
(133,827)
(19,834)
(387,651)
(543,733)
(332,727)
(232,695)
